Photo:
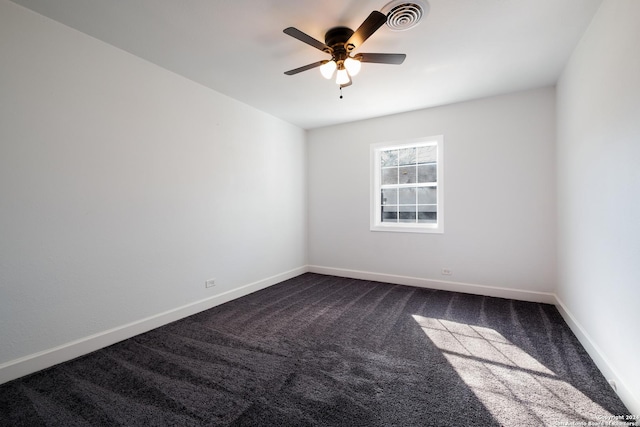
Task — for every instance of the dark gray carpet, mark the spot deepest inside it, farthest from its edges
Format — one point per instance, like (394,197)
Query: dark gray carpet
(320,350)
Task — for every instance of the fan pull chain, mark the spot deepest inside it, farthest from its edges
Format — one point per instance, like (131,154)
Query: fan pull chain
(340,92)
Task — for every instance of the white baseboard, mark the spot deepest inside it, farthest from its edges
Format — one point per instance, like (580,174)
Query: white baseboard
(35,362)
(599,357)
(469,288)
(631,401)
(44,359)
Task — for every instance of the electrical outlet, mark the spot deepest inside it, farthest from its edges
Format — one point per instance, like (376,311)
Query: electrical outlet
(210,283)
(446,272)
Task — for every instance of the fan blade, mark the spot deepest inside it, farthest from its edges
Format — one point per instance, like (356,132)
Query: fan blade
(382,58)
(305,68)
(297,34)
(370,25)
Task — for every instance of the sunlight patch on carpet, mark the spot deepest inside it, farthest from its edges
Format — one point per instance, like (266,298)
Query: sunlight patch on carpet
(505,377)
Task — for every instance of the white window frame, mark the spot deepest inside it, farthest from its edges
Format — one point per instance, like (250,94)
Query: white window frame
(376,223)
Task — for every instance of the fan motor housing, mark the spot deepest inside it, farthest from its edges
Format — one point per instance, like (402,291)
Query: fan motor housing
(337,36)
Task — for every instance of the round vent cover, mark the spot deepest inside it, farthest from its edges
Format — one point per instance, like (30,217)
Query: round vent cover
(402,14)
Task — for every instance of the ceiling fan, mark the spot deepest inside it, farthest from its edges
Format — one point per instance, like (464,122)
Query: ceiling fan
(339,42)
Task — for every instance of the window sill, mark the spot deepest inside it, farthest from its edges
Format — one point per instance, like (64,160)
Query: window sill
(408,228)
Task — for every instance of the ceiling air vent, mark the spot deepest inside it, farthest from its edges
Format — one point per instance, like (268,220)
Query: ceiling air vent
(403,15)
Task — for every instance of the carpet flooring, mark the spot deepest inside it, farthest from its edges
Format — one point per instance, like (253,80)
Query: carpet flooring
(320,350)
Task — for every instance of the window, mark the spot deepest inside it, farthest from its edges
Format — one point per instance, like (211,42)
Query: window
(406,186)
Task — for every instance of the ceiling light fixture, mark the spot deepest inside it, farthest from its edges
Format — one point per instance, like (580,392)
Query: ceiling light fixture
(340,42)
(328,68)
(352,65)
(342,77)
(346,69)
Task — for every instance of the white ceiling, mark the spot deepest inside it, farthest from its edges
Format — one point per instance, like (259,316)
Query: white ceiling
(463,49)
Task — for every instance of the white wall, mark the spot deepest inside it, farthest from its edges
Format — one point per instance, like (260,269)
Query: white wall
(499,200)
(599,192)
(123,187)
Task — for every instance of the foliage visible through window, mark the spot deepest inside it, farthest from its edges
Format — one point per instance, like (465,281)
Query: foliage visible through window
(406,183)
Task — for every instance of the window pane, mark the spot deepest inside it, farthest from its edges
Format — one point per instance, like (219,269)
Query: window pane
(389,176)
(407,174)
(427,214)
(407,196)
(427,173)
(389,158)
(427,195)
(407,214)
(407,156)
(389,213)
(427,154)
(390,196)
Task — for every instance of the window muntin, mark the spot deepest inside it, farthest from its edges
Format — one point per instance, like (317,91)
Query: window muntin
(407,186)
